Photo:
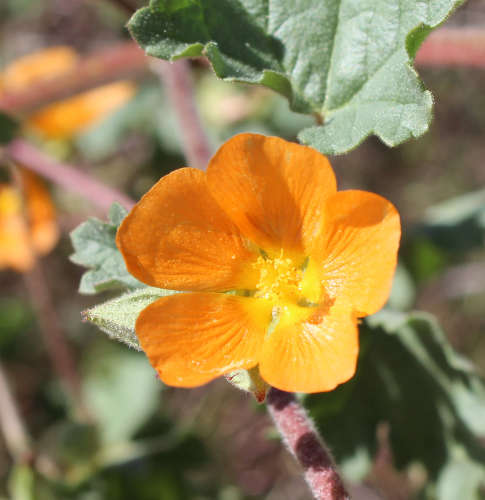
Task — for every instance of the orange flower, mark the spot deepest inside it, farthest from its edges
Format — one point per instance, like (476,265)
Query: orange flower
(27,223)
(302,261)
(28,220)
(65,118)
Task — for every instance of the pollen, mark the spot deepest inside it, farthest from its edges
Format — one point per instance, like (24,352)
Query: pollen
(287,281)
(279,279)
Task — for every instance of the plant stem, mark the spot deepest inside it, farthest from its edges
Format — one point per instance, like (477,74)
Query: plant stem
(55,338)
(178,83)
(21,152)
(114,63)
(453,47)
(11,425)
(304,442)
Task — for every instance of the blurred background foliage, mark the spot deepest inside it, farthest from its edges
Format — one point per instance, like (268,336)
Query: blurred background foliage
(411,424)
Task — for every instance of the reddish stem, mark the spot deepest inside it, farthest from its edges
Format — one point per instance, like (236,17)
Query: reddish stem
(67,176)
(178,83)
(304,442)
(453,47)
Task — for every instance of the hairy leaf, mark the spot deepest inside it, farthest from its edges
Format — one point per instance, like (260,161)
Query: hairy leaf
(95,248)
(117,317)
(410,379)
(457,224)
(349,61)
(121,390)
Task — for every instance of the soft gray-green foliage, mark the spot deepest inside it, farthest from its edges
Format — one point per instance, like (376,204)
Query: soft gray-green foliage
(457,224)
(433,400)
(460,479)
(121,390)
(348,60)
(117,317)
(95,248)
(422,336)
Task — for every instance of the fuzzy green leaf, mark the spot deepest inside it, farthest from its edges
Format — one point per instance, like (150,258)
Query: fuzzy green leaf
(457,224)
(410,378)
(121,390)
(95,248)
(348,60)
(117,317)
(461,478)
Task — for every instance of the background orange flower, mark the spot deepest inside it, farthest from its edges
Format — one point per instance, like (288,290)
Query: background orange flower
(27,219)
(303,261)
(28,225)
(65,118)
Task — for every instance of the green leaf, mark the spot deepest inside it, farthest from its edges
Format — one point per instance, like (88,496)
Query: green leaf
(8,128)
(95,248)
(403,292)
(460,479)
(70,444)
(21,483)
(422,336)
(458,224)
(409,377)
(121,390)
(346,60)
(117,317)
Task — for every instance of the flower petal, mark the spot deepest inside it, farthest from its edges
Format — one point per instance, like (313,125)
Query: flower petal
(39,66)
(360,251)
(312,356)
(41,213)
(68,117)
(193,338)
(15,248)
(177,237)
(272,189)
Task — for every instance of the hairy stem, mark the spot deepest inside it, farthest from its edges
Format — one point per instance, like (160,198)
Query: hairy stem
(11,425)
(21,152)
(178,83)
(304,442)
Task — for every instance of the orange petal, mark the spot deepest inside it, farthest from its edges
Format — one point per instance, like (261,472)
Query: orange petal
(34,68)
(15,247)
(272,189)
(193,338)
(177,237)
(360,252)
(312,356)
(41,213)
(66,118)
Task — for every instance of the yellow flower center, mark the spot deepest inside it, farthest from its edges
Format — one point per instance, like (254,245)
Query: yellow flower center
(279,279)
(291,284)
